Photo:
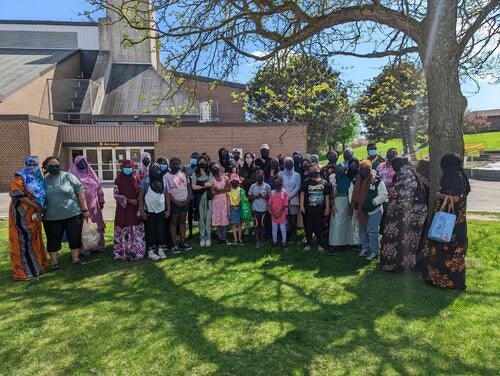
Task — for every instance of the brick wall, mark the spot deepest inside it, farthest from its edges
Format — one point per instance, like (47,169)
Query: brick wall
(43,140)
(14,147)
(183,139)
(32,99)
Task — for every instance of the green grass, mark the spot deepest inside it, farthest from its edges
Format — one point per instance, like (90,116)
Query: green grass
(491,141)
(238,311)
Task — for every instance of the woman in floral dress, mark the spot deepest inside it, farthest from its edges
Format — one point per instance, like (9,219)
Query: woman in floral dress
(405,218)
(443,264)
(220,202)
(129,231)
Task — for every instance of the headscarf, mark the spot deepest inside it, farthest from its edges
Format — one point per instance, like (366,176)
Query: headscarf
(297,164)
(286,171)
(127,184)
(144,170)
(156,183)
(398,162)
(360,192)
(454,181)
(33,179)
(87,176)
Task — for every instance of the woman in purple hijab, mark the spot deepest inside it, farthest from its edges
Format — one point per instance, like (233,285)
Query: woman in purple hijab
(93,195)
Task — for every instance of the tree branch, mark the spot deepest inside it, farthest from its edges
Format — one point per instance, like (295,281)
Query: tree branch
(400,52)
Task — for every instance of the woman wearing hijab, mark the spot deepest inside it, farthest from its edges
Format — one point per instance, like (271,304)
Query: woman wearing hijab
(367,194)
(154,208)
(27,251)
(443,264)
(297,161)
(143,170)
(406,213)
(291,184)
(201,184)
(129,230)
(94,196)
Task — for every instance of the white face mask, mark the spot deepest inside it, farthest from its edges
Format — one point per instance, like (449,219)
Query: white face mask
(249,161)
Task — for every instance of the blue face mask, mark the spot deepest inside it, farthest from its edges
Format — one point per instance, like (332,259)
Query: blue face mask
(54,170)
(194,161)
(163,167)
(127,170)
(372,152)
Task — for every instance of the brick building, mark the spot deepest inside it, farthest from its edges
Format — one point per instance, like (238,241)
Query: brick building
(70,88)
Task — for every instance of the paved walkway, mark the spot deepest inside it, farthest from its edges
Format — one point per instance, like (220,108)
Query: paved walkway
(485,196)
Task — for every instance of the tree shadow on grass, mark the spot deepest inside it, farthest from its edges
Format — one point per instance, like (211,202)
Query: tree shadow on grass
(231,336)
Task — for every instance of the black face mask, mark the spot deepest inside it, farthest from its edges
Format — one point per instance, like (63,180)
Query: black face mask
(353,168)
(235,184)
(54,170)
(146,162)
(264,153)
(305,168)
(347,156)
(364,173)
(289,165)
(314,174)
(277,185)
(332,159)
(259,179)
(215,171)
(175,168)
(391,156)
(82,165)
(236,157)
(155,173)
(202,165)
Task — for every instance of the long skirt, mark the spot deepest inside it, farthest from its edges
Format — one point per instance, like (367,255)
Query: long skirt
(27,251)
(129,243)
(220,210)
(341,232)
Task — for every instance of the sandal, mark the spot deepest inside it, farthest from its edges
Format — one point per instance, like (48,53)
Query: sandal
(79,262)
(54,267)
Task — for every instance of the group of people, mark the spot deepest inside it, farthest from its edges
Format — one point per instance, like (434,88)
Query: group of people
(377,206)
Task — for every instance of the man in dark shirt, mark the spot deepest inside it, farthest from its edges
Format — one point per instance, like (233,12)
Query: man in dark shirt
(264,159)
(315,205)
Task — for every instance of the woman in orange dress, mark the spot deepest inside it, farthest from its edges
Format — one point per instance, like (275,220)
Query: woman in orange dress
(27,251)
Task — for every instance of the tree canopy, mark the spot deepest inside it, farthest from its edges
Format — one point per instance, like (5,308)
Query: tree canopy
(303,89)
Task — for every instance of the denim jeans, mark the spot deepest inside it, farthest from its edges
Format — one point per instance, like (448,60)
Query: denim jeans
(369,233)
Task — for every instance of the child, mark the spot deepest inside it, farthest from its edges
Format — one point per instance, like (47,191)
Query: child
(235,210)
(258,195)
(179,196)
(154,209)
(278,205)
(220,208)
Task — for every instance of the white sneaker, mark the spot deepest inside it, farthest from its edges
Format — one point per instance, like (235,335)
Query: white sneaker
(153,256)
(203,243)
(161,253)
(208,243)
(363,253)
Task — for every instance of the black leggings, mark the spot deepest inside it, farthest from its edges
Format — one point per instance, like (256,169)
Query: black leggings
(259,224)
(314,225)
(292,227)
(155,230)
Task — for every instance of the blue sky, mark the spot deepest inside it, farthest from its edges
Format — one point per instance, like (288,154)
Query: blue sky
(356,70)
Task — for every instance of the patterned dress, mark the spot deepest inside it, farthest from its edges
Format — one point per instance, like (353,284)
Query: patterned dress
(443,264)
(220,204)
(27,251)
(404,222)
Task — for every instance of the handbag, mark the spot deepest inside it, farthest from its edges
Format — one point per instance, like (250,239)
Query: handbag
(90,235)
(443,223)
(246,211)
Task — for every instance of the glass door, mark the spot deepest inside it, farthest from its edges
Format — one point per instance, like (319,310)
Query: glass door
(107,164)
(120,156)
(93,160)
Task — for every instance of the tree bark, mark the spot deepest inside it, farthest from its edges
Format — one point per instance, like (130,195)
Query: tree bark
(446,101)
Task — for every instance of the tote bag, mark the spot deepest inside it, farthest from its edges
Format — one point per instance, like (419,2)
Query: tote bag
(90,235)
(246,210)
(443,224)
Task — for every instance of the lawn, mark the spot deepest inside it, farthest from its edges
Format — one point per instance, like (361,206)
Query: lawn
(239,311)
(491,141)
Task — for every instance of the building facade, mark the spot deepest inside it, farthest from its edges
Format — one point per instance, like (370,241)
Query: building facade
(70,88)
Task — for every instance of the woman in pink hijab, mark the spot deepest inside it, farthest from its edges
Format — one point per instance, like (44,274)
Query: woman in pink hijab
(143,170)
(93,195)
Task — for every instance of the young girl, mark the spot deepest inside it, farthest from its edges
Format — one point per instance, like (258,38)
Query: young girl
(258,195)
(220,205)
(179,193)
(234,210)
(201,183)
(278,204)
(154,209)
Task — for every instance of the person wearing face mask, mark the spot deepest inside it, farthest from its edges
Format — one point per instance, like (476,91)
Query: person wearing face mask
(291,183)
(143,170)
(163,162)
(189,168)
(129,233)
(27,251)
(297,161)
(271,170)
(373,155)
(237,162)
(154,208)
(367,194)
(258,195)
(315,205)
(314,158)
(179,194)
(332,157)
(281,161)
(65,210)
(220,202)
(406,214)
(247,178)
(386,173)
(189,171)
(201,184)
(94,196)
(262,162)
(235,207)
(225,161)
(278,205)
(306,165)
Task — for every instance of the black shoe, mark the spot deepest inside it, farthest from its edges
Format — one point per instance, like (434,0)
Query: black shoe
(79,262)
(185,247)
(175,250)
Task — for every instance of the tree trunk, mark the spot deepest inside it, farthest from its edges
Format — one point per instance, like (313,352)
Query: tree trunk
(446,102)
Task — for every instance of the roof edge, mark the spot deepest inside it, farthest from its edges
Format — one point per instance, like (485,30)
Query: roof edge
(32,118)
(48,22)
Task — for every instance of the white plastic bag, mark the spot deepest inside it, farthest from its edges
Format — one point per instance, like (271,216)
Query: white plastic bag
(90,235)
